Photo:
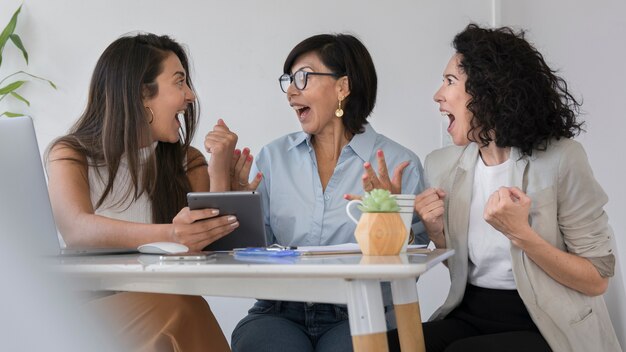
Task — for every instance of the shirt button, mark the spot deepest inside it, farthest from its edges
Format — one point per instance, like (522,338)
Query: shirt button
(327,197)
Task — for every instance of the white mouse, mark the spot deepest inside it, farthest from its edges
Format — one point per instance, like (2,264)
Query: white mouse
(163,248)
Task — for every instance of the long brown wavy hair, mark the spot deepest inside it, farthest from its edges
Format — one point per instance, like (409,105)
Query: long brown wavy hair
(115,123)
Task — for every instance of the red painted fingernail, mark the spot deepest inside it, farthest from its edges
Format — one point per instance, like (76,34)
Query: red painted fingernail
(367,164)
(379,152)
(345,196)
(246,150)
(237,151)
(259,175)
(249,158)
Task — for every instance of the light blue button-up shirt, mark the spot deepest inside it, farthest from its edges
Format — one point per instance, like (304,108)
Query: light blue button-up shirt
(299,213)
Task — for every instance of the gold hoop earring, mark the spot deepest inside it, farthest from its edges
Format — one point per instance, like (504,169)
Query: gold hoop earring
(151,113)
(339,111)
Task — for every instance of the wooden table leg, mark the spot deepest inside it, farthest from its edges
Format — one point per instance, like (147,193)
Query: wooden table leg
(370,343)
(366,315)
(408,318)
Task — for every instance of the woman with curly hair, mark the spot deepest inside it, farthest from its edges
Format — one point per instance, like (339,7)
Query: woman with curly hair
(516,199)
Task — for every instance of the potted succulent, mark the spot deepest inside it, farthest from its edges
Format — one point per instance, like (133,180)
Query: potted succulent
(10,84)
(380,230)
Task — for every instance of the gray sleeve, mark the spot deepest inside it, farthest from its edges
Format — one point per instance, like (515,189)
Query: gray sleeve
(605,265)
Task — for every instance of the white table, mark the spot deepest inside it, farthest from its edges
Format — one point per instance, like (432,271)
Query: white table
(350,279)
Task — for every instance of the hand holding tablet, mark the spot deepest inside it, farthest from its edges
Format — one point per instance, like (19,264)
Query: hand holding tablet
(246,206)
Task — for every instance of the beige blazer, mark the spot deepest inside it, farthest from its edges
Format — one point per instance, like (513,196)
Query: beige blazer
(567,211)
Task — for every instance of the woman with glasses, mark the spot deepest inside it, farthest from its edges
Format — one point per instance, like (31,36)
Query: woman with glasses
(330,82)
(120,177)
(518,202)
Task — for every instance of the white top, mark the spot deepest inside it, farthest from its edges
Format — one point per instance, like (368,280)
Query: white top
(489,250)
(115,206)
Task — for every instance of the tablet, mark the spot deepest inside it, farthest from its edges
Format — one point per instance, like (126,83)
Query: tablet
(246,206)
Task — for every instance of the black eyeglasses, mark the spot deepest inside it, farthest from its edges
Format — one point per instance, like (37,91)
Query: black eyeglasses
(300,79)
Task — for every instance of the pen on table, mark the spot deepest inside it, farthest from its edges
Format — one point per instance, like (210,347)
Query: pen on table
(275,248)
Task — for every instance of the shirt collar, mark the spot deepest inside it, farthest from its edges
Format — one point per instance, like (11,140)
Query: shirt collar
(362,144)
(299,138)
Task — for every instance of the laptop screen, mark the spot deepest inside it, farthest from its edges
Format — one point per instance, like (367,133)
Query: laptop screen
(25,212)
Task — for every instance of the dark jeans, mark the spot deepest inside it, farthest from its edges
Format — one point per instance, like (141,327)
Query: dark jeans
(296,326)
(486,320)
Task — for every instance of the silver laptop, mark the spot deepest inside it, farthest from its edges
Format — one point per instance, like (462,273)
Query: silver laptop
(26,220)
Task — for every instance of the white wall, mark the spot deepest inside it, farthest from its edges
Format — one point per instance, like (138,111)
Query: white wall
(238,47)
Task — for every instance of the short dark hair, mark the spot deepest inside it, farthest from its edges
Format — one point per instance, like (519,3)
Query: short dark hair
(513,91)
(344,54)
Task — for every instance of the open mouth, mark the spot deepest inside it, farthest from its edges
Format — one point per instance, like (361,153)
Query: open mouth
(180,117)
(302,111)
(450,119)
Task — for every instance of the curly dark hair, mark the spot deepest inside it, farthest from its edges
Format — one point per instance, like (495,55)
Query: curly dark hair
(345,55)
(513,91)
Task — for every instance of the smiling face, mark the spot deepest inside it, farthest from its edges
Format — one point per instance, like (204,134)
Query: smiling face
(315,105)
(453,100)
(173,97)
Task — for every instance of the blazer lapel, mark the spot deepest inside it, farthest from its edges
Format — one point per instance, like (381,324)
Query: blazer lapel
(460,194)
(457,217)
(518,176)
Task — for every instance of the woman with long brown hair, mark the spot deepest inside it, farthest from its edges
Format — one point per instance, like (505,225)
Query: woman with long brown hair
(120,177)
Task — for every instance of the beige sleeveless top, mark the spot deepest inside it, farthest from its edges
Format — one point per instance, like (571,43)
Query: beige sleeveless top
(117,205)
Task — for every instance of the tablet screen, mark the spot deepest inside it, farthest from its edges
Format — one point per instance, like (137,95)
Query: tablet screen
(246,206)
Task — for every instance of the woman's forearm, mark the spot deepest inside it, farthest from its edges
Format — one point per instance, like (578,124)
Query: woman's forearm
(568,269)
(90,230)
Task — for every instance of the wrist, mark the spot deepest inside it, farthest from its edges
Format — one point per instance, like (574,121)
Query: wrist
(529,241)
(219,180)
(439,239)
(168,234)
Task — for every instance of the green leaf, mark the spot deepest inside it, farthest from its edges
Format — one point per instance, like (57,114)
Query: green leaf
(30,75)
(11,87)
(18,43)
(21,98)
(11,114)
(7,31)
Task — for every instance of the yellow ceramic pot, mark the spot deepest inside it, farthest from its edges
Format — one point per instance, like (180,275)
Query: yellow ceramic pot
(380,233)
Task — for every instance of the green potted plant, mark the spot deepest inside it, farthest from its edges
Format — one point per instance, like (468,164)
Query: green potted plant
(10,84)
(380,230)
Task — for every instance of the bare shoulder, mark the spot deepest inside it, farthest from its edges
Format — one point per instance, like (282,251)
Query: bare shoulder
(63,152)
(65,164)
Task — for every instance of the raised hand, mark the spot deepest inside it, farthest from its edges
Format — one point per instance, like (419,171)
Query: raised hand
(507,211)
(429,206)
(220,143)
(198,228)
(371,180)
(240,171)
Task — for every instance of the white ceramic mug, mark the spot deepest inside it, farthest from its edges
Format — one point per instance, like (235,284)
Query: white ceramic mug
(348,207)
(406,203)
